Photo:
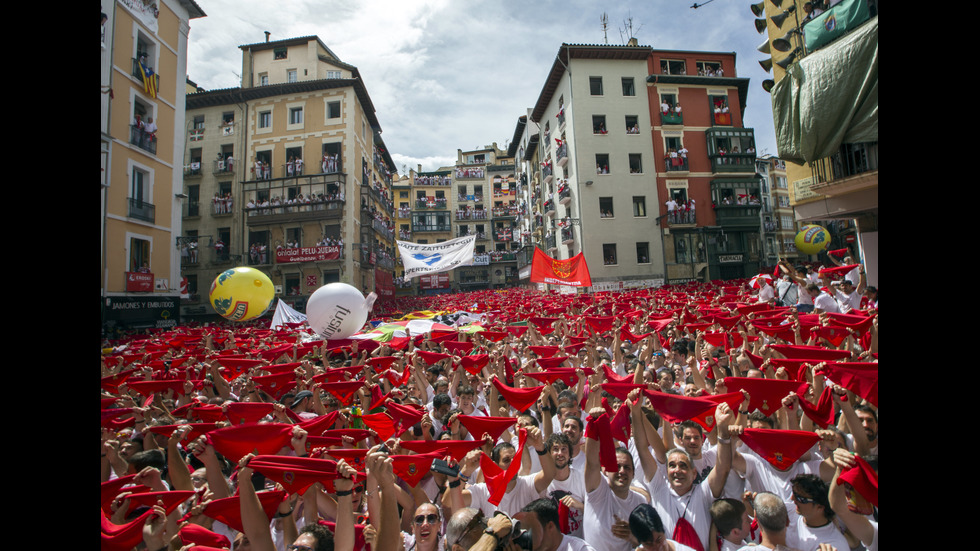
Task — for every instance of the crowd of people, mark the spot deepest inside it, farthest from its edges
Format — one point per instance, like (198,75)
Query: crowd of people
(697,416)
(222,204)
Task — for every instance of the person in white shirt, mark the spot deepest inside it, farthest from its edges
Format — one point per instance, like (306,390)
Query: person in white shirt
(731,519)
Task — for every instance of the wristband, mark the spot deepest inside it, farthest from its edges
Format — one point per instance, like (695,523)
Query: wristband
(724,440)
(342,493)
(542,452)
(283,515)
(743,412)
(455,483)
(492,533)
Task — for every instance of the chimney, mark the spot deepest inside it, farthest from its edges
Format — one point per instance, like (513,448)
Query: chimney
(420,168)
(633,42)
(267,33)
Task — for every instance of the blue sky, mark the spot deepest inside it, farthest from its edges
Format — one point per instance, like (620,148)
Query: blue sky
(457,74)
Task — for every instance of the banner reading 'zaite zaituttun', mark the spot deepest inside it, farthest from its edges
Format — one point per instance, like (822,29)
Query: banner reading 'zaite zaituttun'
(573,272)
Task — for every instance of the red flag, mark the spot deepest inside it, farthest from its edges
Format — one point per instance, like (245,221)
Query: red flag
(574,271)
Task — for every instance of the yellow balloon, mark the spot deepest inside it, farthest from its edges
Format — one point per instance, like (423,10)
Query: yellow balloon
(241,293)
(812,239)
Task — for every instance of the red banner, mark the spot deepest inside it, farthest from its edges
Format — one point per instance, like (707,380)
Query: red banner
(139,282)
(573,272)
(434,281)
(307,254)
(384,284)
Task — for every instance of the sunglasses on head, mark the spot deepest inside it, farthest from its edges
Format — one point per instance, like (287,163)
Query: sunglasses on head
(431,518)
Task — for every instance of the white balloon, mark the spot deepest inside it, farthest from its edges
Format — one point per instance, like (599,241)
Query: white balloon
(338,310)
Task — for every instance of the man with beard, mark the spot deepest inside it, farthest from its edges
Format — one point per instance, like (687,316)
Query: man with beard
(568,487)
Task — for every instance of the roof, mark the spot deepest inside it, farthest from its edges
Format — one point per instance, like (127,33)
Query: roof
(236,95)
(518,132)
(582,51)
(288,42)
(193,10)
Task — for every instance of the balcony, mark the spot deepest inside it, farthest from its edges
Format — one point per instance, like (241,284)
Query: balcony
(222,206)
(547,174)
(676,164)
(561,118)
(562,154)
(551,241)
(732,162)
(192,209)
(671,118)
(567,236)
(404,212)
(745,216)
(482,236)
(387,233)
(680,217)
(464,214)
(504,212)
(549,207)
(193,170)
(365,254)
(431,227)
(405,235)
(851,161)
(471,173)
(431,203)
(142,139)
(722,118)
(223,166)
(565,195)
(141,210)
(468,278)
(327,209)
(501,256)
(433,179)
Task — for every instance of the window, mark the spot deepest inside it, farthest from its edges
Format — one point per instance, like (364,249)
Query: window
(198,122)
(193,200)
(628,89)
(710,69)
(139,253)
(595,85)
(606,207)
(609,254)
(140,190)
(636,164)
(602,163)
(295,115)
(643,253)
(265,119)
(228,118)
(291,75)
(334,74)
(719,106)
(673,67)
(279,53)
(333,110)
(632,124)
(599,124)
(263,79)
(787,222)
(639,206)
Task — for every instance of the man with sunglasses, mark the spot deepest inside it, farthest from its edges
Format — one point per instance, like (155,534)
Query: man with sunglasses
(813,521)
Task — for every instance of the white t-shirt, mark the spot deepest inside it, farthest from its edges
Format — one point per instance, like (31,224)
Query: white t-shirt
(692,506)
(601,508)
(802,537)
(826,303)
(760,476)
(574,485)
(512,502)
(571,543)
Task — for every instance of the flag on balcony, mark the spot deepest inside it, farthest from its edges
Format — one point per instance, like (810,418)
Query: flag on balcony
(420,260)
(151,81)
(573,272)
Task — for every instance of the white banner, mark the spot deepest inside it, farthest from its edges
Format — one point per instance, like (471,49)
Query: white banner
(286,314)
(434,258)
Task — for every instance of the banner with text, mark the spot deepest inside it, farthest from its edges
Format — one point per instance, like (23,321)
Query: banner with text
(574,271)
(419,259)
(307,254)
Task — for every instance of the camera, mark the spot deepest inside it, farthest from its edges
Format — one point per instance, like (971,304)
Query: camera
(518,536)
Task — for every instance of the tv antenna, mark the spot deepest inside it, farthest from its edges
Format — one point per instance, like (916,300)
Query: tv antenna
(696,5)
(605,26)
(628,30)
